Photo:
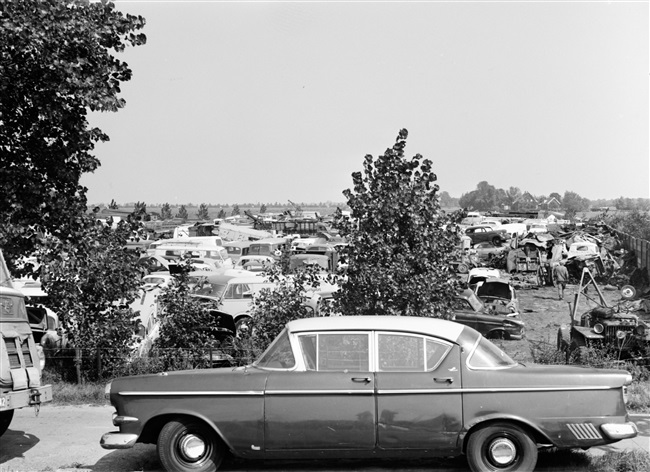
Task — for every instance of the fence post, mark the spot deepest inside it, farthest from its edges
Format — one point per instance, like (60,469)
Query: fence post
(77,363)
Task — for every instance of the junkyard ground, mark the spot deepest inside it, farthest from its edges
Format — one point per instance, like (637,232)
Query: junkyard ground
(543,313)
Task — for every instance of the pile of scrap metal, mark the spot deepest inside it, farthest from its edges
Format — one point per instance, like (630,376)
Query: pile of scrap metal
(530,258)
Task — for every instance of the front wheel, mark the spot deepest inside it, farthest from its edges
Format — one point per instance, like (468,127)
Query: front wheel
(501,447)
(187,445)
(5,420)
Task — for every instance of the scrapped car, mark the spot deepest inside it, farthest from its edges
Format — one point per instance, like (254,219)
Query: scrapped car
(498,293)
(469,310)
(487,250)
(482,233)
(371,386)
(255,263)
(479,274)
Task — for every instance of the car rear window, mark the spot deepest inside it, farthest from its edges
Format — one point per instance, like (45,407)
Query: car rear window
(488,356)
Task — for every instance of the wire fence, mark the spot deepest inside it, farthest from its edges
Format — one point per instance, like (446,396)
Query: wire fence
(80,365)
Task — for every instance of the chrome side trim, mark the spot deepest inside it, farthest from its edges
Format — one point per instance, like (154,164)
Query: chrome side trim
(204,393)
(208,393)
(321,392)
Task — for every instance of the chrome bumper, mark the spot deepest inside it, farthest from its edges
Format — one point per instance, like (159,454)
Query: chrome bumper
(619,431)
(117,440)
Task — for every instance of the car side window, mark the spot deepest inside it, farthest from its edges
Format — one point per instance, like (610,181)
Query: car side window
(406,353)
(336,352)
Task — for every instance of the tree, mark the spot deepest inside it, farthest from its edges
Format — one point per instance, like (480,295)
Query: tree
(399,252)
(56,63)
(222,214)
(262,209)
(235,210)
(140,212)
(573,203)
(182,213)
(273,308)
(202,212)
(188,327)
(91,279)
(113,205)
(166,212)
(484,198)
(511,196)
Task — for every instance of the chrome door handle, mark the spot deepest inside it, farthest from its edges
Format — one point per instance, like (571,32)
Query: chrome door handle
(361,379)
(447,380)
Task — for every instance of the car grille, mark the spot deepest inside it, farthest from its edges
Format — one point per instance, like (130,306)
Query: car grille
(14,351)
(611,330)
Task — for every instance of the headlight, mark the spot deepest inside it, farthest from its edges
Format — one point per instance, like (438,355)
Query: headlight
(599,328)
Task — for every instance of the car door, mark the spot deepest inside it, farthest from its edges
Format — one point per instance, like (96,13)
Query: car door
(419,401)
(331,405)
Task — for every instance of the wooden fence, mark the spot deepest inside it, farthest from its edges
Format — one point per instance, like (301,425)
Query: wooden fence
(641,248)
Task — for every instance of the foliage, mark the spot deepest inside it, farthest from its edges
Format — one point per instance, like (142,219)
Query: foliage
(235,210)
(202,212)
(182,213)
(222,214)
(113,205)
(166,212)
(187,327)
(636,223)
(574,203)
(91,279)
(262,209)
(641,204)
(484,198)
(273,308)
(56,63)
(400,252)
(140,212)
(635,460)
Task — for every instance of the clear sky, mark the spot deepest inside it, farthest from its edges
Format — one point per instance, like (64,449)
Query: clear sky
(237,102)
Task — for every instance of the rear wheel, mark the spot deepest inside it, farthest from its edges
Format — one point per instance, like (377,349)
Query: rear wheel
(501,447)
(187,445)
(5,420)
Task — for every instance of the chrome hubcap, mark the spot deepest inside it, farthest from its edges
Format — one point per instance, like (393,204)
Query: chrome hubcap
(503,451)
(192,447)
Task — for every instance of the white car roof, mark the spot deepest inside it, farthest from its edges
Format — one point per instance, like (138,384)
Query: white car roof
(444,329)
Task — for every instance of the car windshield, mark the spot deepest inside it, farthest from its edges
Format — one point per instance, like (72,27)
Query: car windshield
(12,308)
(488,356)
(279,354)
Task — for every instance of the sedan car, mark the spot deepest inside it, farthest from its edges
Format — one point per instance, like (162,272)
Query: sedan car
(482,233)
(471,311)
(371,386)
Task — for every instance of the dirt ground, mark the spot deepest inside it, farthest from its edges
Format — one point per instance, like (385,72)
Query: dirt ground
(543,313)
